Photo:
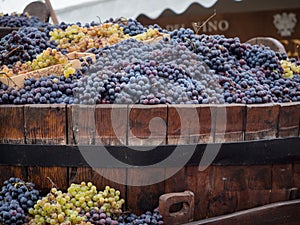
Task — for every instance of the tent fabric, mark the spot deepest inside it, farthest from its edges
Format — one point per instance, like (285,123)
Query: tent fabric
(105,9)
(87,11)
(72,11)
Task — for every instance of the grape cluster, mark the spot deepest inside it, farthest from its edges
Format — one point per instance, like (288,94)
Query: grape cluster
(48,57)
(87,197)
(134,28)
(16,197)
(55,208)
(46,90)
(81,204)
(22,45)
(148,218)
(247,73)
(130,26)
(78,38)
(51,57)
(290,66)
(99,217)
(20,20)
(262,57)
(11,213)
(134,72)
(148,34)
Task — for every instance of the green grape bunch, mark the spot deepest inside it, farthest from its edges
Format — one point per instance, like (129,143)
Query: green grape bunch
(70,208)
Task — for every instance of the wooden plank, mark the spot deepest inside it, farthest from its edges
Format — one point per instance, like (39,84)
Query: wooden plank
(206,116)
(79,174)
(230,123)
(221,203)
(283,213)
(191,183)
(229,178)
(259,177)
(81,124)
(183,124)
(45,124)
(296,175)
(52,12)
(279,195)
(147,125)
(261,121)
(111,124)
(252,198)
(17,80)
(297,167)
(175,183)
(12,124)
(289,118)
(74,58)
(282,176)
(200,183)
(39,176)
(7,172)
(142,193)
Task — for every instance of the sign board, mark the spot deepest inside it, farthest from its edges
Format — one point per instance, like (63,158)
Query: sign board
(283,25)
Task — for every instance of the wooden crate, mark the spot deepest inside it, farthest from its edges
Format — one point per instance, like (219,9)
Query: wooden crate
(18,80)
(156,39)
(74,58)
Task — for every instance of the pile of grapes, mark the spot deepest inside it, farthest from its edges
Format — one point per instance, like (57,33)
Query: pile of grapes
(20,20)
(134,72)
(82,204)
(182,68)
(23,45)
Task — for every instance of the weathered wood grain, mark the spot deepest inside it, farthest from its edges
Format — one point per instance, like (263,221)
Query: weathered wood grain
(12,124)
(45,124)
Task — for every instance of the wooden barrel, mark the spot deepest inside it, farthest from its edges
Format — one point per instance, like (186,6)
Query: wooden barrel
(257,162)
(39,10)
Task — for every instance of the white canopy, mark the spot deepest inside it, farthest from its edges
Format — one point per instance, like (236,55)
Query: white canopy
(87,11)
(93,10)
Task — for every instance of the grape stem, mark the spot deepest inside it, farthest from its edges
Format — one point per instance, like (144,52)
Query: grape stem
(51,181)
(99,19)
(12,51)
(8,77)
(198,27)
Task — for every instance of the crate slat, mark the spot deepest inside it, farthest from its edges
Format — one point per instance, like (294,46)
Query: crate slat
(12,129)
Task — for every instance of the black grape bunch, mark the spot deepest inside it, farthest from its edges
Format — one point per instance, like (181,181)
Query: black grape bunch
(153,218)
(133,72)
(23,45)
(20,20)
(16,198)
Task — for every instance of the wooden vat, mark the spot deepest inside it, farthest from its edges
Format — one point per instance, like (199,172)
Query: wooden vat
(257,163)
